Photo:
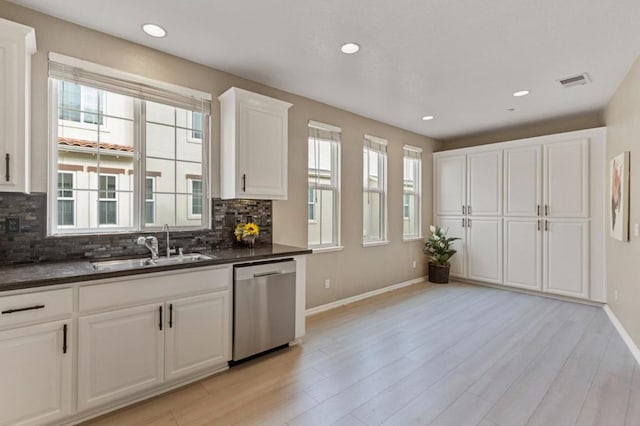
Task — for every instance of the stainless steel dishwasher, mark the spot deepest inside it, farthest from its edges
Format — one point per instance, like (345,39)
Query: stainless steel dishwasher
(264,300)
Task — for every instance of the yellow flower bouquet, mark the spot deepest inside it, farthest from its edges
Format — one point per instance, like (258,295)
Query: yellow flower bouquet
(247,232)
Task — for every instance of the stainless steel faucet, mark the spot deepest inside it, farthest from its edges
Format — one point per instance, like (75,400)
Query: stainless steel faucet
(165,228)
(151,243)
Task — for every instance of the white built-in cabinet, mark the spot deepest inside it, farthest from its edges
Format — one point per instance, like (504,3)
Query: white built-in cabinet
(17,44)
(529,213)
(36,358)
(253,146)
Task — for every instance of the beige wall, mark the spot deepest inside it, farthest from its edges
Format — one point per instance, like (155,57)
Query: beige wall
(569,123)
(622,117)
(352,271)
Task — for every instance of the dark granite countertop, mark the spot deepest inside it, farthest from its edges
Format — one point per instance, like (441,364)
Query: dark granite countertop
(54,273)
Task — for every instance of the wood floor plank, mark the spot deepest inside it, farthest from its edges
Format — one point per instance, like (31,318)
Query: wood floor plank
(633,408)
(468,410)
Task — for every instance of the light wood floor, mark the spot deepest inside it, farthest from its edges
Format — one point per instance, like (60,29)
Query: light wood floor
(425,355)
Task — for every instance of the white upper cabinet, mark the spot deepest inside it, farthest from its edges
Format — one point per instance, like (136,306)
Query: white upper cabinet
(17,44)
(253,146)
(450,190)
(523,181)
(484,174)
(566,179)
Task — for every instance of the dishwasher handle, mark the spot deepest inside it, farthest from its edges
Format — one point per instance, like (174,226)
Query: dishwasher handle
(266,274)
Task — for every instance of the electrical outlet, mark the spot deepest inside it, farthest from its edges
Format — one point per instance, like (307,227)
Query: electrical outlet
(12,225)
(414,264)
(327,283)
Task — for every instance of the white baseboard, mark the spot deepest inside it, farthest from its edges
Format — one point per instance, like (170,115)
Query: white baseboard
(352,299)
(623,333)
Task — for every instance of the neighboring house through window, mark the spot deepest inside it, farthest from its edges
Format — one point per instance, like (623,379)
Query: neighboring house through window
(323,196)
(81,104)
(195,197)
(108,203)
(149,200)
(374,206)
(411,193)
(66,199)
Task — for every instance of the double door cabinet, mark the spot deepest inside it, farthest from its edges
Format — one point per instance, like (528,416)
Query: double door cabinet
(522,211)
(134,335)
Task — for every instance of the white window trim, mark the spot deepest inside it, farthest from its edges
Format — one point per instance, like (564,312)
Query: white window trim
(417,191)
(152,199)
(314,206)
(104,128)
(336,177)
(370,143)
(190,129)
(72,198)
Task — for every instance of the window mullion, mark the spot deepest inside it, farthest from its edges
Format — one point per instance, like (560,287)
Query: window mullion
(139,165)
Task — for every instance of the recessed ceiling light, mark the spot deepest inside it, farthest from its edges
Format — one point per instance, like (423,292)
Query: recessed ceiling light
(154,30)
(428,117)
(521,93)
(350,48)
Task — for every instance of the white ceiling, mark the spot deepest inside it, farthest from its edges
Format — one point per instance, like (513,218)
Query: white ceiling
(458,60)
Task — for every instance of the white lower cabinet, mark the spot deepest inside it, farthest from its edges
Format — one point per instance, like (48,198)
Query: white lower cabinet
(566,258)
(197,336)
(120,353)
(523,253)
(484,249)
(36,373)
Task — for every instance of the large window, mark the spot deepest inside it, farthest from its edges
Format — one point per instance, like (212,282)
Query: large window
(411,193)
(323,200)
(131,175)
(374,205)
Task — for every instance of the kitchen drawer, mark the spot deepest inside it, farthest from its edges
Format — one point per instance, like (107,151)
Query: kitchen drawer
(142,289)
(35,307)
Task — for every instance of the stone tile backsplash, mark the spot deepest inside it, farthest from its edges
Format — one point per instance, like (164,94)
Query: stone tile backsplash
(31,244)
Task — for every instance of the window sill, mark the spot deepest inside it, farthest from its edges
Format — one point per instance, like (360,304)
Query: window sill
(331,249)
(410,239)
(376,243)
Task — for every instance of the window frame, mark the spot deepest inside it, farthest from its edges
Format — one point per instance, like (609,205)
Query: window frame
(82,124)
(333,136)
(115,200)
(137,222)
(72,198)
(190,198)
(416,192)
(381,189)
(150,200)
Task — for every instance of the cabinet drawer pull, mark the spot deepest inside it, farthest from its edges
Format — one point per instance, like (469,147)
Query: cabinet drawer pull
(29,308)
(7,159)
(170,315)
(64,339)
(244,182)
(160,322)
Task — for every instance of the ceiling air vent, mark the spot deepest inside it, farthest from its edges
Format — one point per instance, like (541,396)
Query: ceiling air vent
(575,80)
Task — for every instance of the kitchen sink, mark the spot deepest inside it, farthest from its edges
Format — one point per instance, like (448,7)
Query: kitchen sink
(118,265)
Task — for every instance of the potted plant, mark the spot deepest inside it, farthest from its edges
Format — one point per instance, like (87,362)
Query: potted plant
(438,248)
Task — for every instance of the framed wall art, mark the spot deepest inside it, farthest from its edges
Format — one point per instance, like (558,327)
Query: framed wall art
(619,196)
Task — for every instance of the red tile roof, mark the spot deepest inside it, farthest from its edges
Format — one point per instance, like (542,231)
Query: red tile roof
(90,144)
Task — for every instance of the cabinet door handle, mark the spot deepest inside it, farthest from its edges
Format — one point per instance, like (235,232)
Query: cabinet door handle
(160,322)
(546,209)
(244,182)
(468,223)
(464,210)
(538,209)
(538,225)
(29,308)
(469,209)
(64,339)
(7,159)
(546,225)
(463,222)
(171,315)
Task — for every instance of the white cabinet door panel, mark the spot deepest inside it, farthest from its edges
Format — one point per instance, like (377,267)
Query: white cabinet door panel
(484,184)
(484,249)
(454,228)
(35,374)
(566,179)
(523,253)
(450,190)
(523,181)
(120,353)
(566,258)
(197,333)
